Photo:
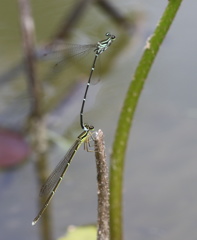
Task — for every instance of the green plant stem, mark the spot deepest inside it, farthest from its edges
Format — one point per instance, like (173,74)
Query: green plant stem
(126,117)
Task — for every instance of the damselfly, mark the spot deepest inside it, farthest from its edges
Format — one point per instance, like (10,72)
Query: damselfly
(50,186)
(101,46)
(76,49)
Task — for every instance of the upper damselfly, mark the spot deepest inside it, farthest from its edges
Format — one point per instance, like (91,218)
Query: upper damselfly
(71,50)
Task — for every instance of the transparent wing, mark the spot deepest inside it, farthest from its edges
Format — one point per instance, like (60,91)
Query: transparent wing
(63,52)
(60,169)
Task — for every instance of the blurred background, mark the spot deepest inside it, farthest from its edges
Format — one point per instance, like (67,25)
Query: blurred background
(161,167)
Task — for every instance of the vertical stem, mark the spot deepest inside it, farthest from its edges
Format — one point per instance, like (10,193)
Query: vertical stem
(28,35)
(103,188)
(126,117)
(36,123)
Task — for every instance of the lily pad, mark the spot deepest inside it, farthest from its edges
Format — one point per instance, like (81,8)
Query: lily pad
(13,148)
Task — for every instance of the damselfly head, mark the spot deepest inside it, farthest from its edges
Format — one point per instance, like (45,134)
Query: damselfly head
(88,127)
(113,37)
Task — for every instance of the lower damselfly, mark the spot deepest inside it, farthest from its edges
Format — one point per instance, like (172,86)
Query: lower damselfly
(50,186)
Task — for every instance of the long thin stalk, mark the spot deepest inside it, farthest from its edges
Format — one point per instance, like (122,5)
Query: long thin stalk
(103,188)
(126,117)
(36,122)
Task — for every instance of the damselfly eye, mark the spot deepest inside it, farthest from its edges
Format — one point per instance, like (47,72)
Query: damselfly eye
(91,127)
(107,34)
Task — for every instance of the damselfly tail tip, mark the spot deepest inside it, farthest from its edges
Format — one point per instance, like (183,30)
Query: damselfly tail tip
(34,222)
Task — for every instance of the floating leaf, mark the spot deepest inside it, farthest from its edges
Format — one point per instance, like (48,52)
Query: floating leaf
(13,148)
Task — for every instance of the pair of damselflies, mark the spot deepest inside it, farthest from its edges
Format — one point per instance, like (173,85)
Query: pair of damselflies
(50,186)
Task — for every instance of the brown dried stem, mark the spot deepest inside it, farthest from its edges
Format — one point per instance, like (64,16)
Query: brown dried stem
(103,188)
(36,123)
